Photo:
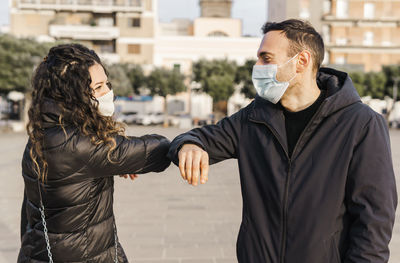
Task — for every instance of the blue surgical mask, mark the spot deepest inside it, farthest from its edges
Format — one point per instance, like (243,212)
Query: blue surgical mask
(266,84)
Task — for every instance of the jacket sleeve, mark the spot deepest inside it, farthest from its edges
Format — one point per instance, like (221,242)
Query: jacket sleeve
(136,155)
(371,196)
(220,141)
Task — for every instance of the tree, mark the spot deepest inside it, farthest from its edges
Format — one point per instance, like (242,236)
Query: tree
(136,77)
(358,79)
(375,84)
(163,82)
(243,76)
(217,77)
(18,57)
(391,73)
(119,79)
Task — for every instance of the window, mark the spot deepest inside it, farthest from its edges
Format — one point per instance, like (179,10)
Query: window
(135,22)
(340,60)
(106,21)
(177,67)
(326,33)
(369,10)
(133,49)
(368,38)
(327,7)
(342,9)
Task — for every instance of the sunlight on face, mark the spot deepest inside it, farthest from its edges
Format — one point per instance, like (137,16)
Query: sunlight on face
(99,84)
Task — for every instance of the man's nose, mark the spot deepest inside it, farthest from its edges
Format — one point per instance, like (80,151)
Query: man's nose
(259,62)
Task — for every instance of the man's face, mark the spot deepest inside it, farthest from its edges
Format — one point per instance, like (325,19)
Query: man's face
(273,50)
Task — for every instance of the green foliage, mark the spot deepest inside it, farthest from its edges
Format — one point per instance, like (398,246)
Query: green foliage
(217,77)
(136,77)
(358,79)
(391,72)
(162,82)
(376,84)
(18,57)
(117,75)
(243,76)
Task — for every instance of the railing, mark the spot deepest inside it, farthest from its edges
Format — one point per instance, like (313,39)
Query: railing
(83,5)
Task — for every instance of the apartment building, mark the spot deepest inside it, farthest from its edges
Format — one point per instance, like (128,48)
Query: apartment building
(362,33)
(358,34)
(119,30)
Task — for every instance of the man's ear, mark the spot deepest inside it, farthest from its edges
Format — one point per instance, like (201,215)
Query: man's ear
(304,61)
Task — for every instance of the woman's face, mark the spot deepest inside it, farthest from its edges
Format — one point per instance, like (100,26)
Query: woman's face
(99,84)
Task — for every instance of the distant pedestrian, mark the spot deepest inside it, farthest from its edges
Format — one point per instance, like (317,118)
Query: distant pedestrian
(74,150)
(315,163)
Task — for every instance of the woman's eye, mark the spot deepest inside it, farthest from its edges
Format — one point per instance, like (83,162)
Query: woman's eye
(109,85)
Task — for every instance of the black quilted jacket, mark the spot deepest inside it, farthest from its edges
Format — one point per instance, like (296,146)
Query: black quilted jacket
(78,194)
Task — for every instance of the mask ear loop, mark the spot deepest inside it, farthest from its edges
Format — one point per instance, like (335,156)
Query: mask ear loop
(295,74)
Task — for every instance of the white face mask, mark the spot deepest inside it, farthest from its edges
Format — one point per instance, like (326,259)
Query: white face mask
(266,84)
(106,104)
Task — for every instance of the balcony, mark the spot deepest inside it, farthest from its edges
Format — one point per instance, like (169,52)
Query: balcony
(95,6)
(331,19)
(82,32)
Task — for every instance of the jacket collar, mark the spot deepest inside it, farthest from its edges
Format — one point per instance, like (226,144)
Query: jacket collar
(51,113)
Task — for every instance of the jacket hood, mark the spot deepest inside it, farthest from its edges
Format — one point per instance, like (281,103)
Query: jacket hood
(51,114)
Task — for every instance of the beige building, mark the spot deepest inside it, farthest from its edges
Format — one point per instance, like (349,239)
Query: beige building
(362,33)
(214,35)
(129,31)
(358,34)
(119,30)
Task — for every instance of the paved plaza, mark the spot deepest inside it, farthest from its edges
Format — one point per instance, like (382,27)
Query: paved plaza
(160,218)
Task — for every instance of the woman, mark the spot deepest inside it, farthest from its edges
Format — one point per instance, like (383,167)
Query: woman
(74,150)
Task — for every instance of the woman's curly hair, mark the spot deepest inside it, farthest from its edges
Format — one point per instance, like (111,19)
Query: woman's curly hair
(63,77)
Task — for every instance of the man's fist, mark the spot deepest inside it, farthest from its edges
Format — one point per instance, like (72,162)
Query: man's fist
(193,163)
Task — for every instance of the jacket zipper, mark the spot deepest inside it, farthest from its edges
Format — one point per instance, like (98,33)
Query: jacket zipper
(286,195)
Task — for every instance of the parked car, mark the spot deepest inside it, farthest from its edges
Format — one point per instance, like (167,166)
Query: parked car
(128,117)
(151,118)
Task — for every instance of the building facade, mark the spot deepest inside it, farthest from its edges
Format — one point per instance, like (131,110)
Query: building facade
(129,31)
(358,34)
(119,30)
(362,33)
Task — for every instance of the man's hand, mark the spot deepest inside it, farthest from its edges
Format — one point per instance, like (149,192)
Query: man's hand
(132,176)
(193,163)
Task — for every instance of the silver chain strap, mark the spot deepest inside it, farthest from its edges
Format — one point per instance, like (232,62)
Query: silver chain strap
(46,236)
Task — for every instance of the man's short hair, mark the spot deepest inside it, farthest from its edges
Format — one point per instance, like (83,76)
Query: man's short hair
(301,35)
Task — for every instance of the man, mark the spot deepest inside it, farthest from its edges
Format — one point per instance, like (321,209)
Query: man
(315,163)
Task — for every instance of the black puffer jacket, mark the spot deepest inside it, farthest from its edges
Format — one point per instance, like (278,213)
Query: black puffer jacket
(78,194)
(332,201)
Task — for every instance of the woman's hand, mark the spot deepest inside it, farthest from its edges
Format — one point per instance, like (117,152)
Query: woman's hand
(132,176)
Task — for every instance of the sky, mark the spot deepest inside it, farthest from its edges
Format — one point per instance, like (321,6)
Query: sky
(252,12)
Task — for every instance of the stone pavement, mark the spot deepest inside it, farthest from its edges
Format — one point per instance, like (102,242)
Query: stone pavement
(160,218)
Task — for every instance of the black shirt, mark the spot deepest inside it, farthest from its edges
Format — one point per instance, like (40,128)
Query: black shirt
(296,122)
